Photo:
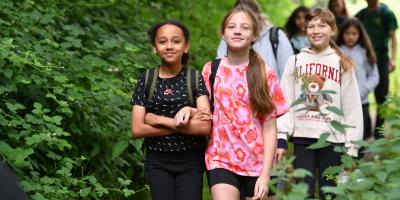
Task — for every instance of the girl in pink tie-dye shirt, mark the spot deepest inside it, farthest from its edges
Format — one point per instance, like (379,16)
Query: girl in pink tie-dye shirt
(247,101)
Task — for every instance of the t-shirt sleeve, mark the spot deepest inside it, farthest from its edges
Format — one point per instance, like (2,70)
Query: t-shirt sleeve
(391,20)
(139,95)
(277,95)
(202,90)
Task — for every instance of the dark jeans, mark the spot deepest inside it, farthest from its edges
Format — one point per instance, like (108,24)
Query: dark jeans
(367,128)
(381,91)
(313,160)
(175,175)
(367,121)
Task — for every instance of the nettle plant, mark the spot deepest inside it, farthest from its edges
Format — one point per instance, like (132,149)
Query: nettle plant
(374,178)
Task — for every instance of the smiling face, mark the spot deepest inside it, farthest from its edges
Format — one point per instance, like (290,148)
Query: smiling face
(319,33)
(239,31)
(170,44)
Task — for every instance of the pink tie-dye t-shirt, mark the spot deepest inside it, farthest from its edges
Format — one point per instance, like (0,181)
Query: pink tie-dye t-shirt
(236,140)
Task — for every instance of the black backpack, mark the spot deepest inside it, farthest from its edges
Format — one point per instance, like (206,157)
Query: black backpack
(274,39)
(192,80)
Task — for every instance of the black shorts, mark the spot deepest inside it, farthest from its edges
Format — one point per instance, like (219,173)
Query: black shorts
(244,184)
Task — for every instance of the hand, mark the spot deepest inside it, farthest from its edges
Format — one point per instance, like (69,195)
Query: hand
(392,65)
(182,117)
(261,188)
(279,153)
(202,115)
(151,119)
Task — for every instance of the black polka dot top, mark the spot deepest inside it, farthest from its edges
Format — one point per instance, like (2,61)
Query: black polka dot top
(170,95)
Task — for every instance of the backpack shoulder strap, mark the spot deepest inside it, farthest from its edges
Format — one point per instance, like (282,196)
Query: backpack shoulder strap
(192,82)
(274,39)
(150,82)
(214,67)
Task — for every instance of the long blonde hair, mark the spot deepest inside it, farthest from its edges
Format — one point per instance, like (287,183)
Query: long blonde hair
(328,17)
(259,92)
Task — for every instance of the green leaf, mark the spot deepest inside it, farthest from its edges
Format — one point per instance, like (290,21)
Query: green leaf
(119,148)
(340,149)
(37,105)
(363,185)
(8,73)
(38,196)
(85,192)
(335,110)
(301,173)
(332,170)
(56,119)
(347,161)
(128,192)
(14,107)
(321,143)
(335,190)
(338,126)
(362,143)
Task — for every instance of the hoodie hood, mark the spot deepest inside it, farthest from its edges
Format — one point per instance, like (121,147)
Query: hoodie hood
(325,52)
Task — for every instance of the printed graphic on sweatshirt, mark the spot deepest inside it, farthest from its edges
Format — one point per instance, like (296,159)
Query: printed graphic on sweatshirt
(313,97)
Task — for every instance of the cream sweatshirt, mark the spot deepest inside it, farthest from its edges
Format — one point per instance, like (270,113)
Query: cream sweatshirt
(315,82)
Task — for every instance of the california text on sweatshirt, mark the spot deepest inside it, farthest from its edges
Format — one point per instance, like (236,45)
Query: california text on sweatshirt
(315,82)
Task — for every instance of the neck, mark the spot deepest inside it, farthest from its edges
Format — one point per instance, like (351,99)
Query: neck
(319,49)
(169,70)
(238,57)
(350,47)
(373,6)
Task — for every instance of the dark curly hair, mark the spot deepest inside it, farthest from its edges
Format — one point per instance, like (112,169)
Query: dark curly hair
(290,26)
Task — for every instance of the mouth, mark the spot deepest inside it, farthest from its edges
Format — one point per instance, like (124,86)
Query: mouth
(169,54)
(237,39)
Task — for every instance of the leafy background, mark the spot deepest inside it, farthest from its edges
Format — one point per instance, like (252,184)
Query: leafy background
(67,70)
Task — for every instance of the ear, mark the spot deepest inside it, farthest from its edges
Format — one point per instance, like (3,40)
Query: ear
(154,49)
(187,45)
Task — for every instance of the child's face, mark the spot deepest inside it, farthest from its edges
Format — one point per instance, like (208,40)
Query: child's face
(300,21)
(339,6)
(170,44)
(350,36)
(239,32)
(319,33)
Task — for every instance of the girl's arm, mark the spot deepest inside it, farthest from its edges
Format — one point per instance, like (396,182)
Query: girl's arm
(285,123)
(140,129)
(352,111)
(371,81)
(269,134)
(190,121)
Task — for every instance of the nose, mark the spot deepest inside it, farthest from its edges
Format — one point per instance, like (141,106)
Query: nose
(169,45)
(237,31)
(313,86)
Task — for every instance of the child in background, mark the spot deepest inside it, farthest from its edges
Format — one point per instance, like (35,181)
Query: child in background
(174,129)
(338,8)
(319,78)
(247,101)
(295,28)
(355,43)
